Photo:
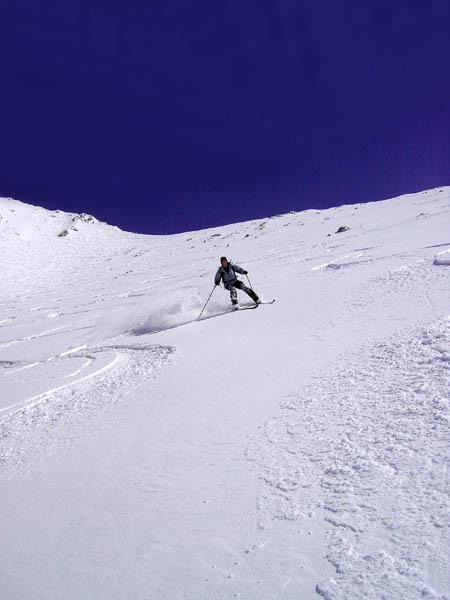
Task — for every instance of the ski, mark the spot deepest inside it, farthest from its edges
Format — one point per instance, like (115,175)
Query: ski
(244,307)
(255,305)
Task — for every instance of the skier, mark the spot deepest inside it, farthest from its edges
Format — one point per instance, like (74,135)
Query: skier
(227,272)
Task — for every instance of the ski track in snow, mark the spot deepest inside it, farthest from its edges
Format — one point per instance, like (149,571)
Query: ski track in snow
(54,419)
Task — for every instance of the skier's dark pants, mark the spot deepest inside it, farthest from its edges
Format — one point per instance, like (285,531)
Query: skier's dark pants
(240,286)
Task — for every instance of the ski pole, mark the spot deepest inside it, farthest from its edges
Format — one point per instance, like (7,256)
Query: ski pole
(206,303)
(250,283)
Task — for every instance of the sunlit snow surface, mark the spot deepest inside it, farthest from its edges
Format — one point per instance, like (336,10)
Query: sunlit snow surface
(300,450)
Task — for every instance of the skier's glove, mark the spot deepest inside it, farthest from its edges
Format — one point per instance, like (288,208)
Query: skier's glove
(245,272)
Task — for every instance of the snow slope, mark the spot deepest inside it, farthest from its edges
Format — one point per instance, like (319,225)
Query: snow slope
(299,450)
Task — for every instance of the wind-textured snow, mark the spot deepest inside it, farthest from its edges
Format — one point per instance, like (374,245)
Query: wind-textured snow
(300,450)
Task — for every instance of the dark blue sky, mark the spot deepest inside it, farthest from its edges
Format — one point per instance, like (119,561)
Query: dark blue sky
(164,116)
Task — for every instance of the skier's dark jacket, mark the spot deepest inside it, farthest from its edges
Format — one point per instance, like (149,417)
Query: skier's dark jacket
(228,274)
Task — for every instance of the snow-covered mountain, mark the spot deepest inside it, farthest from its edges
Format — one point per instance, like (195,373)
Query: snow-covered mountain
(300,450)
(32,222)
